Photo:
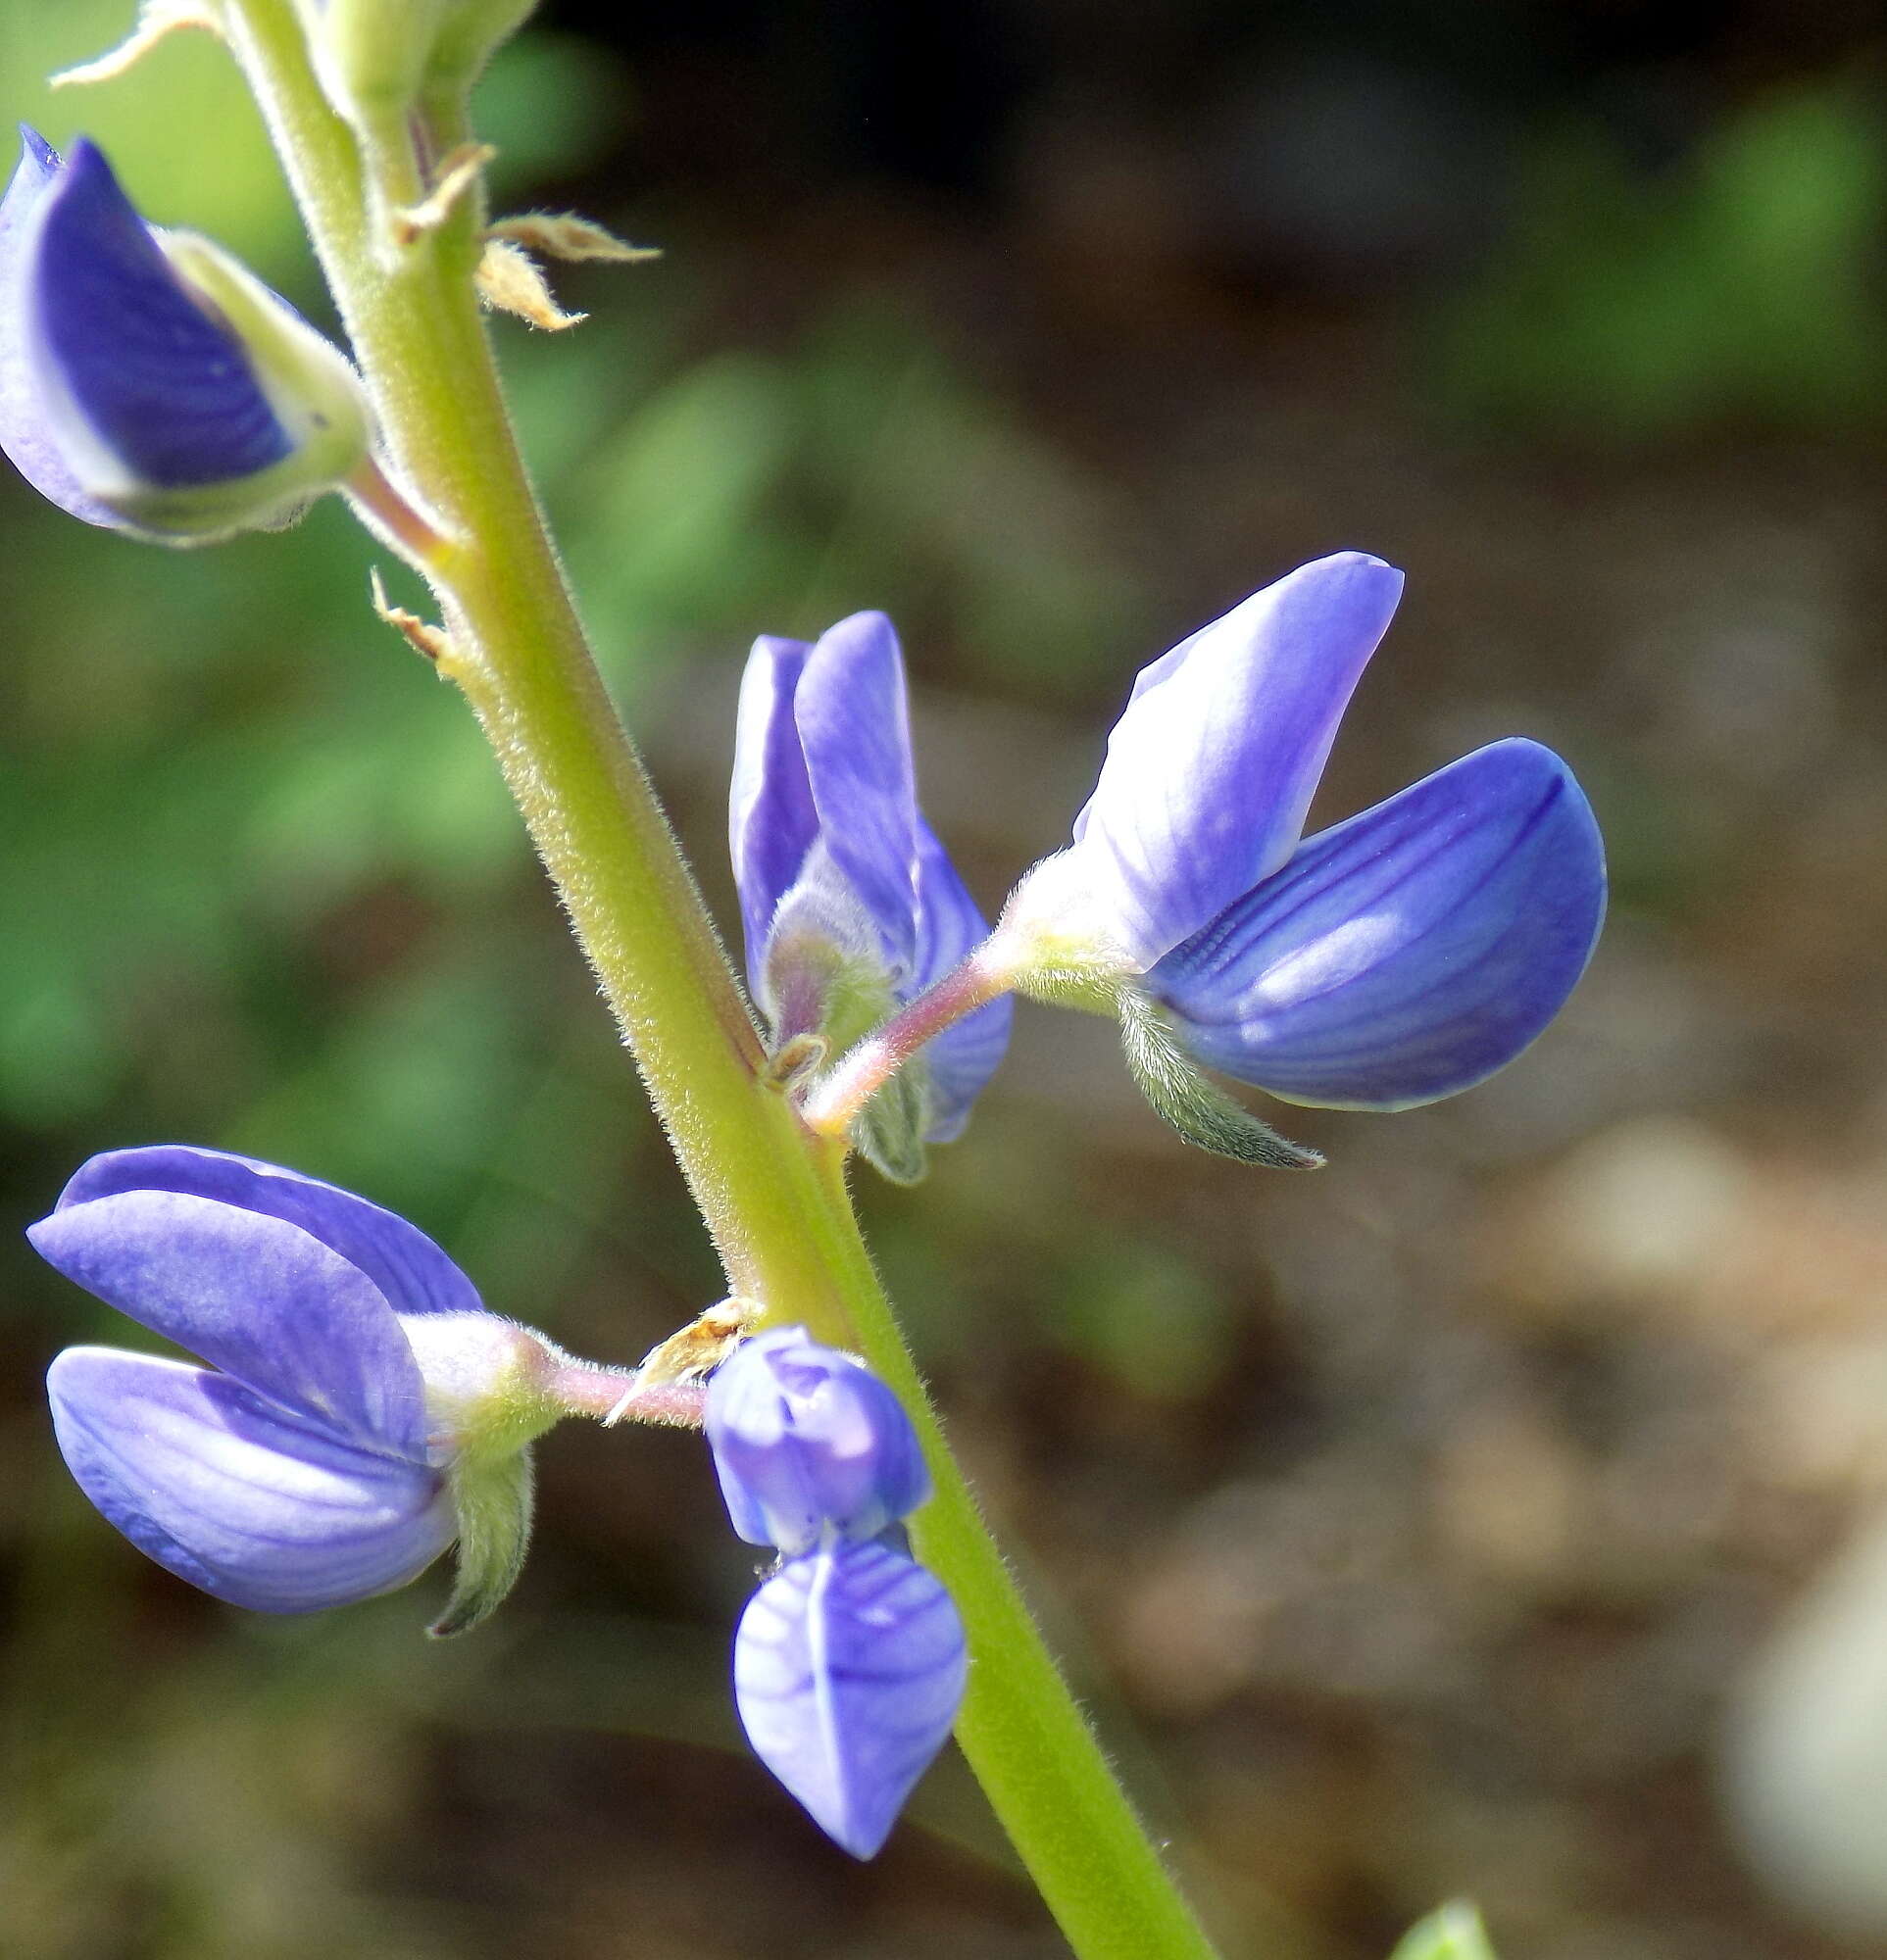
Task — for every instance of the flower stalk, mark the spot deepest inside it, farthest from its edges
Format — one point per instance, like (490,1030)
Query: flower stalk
(391,514)
(771,1193)
(610,1396)
(865,1067)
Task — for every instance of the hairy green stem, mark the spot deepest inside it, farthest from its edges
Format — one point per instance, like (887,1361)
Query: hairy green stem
(773,1194)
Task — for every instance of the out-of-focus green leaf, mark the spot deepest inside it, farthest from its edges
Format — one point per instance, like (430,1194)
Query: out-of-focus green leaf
(674,538)
(935,489)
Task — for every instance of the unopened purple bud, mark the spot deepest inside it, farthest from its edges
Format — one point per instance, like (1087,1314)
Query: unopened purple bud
(147,382)
(850,1662)
(807,1443)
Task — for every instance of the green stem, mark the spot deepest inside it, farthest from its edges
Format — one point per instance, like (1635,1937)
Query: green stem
(773,1194)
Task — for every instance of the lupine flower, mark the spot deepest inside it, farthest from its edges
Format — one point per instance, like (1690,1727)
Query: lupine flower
(361,1409)
(147,382)
(1397,957)
(849,1663)
(850,904)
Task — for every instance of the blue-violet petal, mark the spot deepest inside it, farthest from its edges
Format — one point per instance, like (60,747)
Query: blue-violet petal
(263,1509)
(806,1439)
(1211,765)
(256,1297)
(1406,954)
(771,822)
(848,1668)
(407,1266)
(854,728)
(164,386)
(961,1059)
(25,435)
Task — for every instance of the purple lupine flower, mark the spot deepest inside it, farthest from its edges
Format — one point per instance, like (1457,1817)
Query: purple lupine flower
(849,1662)
(1395,958)
(147,382)
(849,902)
(357,1393)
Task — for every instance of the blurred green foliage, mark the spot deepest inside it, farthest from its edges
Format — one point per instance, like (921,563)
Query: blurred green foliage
(1743,281)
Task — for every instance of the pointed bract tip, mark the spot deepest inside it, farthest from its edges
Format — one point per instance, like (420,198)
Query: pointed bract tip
(35,149)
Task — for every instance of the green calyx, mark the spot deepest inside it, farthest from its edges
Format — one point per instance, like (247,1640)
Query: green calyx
(379,60)
(489,1395)
(491,1498)
(471,33)
(1182,1096)
(826,991)
(1050,944)
(1051,954)
(372,55)
(889,1130)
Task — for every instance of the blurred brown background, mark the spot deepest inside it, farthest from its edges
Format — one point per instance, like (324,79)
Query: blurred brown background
(1440,1524)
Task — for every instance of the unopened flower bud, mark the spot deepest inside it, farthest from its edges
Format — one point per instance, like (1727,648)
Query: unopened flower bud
(850,904)
(370,54)
(150,383)
(378,60)
(469,34)
(850,1662)
(808,1441)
